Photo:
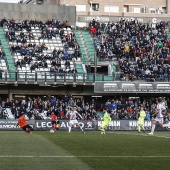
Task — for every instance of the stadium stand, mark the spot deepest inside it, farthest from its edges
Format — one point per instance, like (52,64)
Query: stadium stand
(141,50)
(42,48)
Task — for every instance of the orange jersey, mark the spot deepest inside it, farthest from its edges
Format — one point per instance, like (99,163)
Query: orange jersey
(22,122)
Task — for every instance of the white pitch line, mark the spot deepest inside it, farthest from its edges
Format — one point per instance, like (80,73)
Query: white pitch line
(15,156)
(104,156)
(67,156)
(167,137)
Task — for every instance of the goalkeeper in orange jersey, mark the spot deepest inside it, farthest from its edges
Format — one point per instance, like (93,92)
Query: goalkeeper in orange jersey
(106,120)
(23,124)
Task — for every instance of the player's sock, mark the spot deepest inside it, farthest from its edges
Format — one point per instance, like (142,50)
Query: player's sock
(153,128)
(143,128)
(81,129)
(69,129)
(138,128)
(28,131)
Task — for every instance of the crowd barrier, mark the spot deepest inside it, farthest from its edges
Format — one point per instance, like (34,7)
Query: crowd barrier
(115,125)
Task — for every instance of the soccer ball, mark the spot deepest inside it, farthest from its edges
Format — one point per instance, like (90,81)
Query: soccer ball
(51,131)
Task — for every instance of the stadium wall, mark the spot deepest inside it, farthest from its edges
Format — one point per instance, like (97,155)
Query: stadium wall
(39,12)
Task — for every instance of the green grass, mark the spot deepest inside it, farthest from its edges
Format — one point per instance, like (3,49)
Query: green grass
(75,151)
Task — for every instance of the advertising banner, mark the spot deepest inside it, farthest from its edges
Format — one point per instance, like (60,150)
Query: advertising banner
(127,125)
(46,125)
(115,125)
(126,87)
(11,124)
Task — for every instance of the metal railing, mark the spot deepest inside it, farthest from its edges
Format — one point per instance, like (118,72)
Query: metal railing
(48,77)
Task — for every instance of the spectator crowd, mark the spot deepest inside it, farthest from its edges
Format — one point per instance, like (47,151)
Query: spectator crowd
(120,108)
(31,38)
(141,49)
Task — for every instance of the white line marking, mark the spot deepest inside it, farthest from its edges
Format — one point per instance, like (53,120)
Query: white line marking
(104,156)
(15,156)
(67,156)
(140,135)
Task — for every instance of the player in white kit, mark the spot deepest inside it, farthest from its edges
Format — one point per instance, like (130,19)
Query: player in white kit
(73,119)
(159,116)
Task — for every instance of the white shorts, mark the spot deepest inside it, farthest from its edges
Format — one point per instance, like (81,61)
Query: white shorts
(73,122)
(159,120)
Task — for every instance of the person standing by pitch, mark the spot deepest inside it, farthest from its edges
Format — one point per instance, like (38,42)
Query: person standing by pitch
(141,118)
(106,120)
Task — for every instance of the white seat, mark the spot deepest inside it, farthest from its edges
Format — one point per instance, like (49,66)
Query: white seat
(46,69)
(4,68)
(24,69)
(20,57)
(3,64)
(48,62)
(41,69)
(55,41)
(19,69)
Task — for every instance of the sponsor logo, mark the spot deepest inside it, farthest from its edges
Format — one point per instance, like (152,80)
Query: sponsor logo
(134,124)
(8,126)
(112,123)
(43,125)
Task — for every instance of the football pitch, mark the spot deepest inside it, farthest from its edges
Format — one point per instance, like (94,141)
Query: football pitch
(115,150)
